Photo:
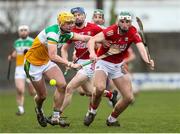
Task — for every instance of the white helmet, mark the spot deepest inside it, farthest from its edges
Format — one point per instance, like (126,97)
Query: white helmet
(125,15)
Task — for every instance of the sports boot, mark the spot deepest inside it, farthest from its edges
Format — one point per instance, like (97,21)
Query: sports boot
(89,118)
(40,117)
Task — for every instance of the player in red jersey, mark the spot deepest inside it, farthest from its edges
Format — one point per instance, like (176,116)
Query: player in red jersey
(120,36)
(98,18)
(83,77)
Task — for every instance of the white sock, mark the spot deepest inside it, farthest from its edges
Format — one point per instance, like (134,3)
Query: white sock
(111,119)
(93,111)
(21,109)
(56,114)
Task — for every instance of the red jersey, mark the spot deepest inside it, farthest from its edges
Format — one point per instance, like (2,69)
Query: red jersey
(90,29)
(113,36)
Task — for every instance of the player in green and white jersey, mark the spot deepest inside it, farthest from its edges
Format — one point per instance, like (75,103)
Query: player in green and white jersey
(21,45)
(41,63)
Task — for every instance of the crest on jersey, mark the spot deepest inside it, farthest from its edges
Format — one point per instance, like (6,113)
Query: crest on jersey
(126,38)
(109,33)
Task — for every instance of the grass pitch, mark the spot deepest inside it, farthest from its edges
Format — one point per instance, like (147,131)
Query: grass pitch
(153,111)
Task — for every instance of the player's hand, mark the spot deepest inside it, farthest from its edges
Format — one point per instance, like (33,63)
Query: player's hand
(93,57)
(74,57)
(69,64)
(67,68)
(151,64)
(9,57)
(76,66)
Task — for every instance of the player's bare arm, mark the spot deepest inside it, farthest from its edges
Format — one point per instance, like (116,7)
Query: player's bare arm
(12,55)
(64,51)
(52,51)
(92,44)
(144,55)
(81,37)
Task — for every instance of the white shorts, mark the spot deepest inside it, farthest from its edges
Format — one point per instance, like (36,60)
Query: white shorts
(36,72)
(87,70)
(20,73)
(112,70)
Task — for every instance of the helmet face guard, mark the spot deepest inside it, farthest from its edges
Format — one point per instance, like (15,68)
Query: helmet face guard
(99,11)
(125,16)
(124,21)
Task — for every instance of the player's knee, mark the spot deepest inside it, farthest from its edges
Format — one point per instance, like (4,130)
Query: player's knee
(32,93)
(129,98)
(69,89)
(100,87)
(61,85)
(42,97)
(98,93)
(20,91)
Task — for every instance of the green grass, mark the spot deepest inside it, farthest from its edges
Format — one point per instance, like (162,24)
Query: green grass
(153,111)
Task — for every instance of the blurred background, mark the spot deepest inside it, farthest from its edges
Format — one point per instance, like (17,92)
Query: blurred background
(161,19)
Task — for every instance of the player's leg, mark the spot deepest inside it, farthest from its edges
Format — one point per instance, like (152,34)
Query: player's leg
(39,98)
(20,88)
(88,87)
(31,89)
(123,84)
(81,91)
(35,74)
(77,81)
(111,92)
(100,85)
(54,72)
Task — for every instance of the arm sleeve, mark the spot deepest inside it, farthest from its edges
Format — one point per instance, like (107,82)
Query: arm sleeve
(52,38)
(71,34)
(136,37)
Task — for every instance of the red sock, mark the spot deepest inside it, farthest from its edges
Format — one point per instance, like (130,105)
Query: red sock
(114,114)
(109,94)
(92,106)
